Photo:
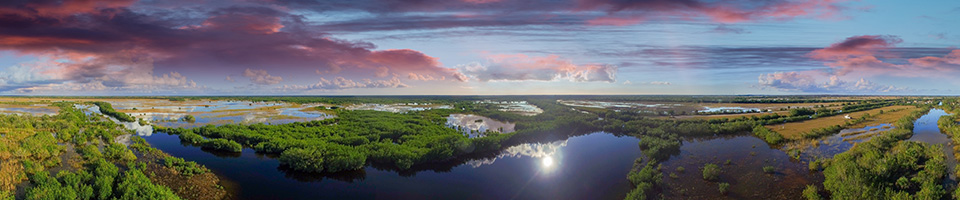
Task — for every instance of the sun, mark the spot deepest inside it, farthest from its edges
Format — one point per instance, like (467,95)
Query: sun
(546,162)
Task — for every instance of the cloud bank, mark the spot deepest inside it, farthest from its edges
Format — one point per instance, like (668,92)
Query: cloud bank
(521,67)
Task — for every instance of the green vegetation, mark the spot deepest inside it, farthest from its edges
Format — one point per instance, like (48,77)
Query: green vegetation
(646,179)
(812,192)
(767,135)
(30,146)
(186,168)
(105,182)
(724,187)
(107,109)
(769,169)
(949,125)
(820,132)
(357,138)
(118,152)
(221,144)
(189,118)
(711,172)
(318,159)
(814,165)
(887,167)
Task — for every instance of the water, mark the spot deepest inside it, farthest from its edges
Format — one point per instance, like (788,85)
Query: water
(925,130)
(398,108)
(834,144)
(748,155)
(708,109)
(519,107)
(36,109)
(614,105)
(169,113)
(591,166)
(476,126)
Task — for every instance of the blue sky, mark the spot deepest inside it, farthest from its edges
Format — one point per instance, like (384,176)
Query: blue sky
(486,48)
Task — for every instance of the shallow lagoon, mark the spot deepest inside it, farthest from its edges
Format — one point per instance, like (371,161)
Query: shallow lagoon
(592,166)
(34,109)
(476,126)
(169,113)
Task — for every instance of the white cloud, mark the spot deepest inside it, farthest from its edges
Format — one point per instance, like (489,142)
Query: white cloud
(341,83)
(525,68)
(803,82)
(261,77)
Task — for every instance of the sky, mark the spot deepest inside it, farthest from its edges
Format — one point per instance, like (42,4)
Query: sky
(479,47)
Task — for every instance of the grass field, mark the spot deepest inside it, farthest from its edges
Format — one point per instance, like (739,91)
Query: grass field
(795,129)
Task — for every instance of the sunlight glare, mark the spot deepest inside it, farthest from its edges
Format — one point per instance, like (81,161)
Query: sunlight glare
(547,162)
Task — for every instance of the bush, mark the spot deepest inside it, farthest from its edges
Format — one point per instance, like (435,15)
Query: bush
(801,111)
(645,179)
(767,135)
(724,187)
(309,160)
(711,172)
(136,185)
(812,193)
(814,165)
(89,152)
(189,118)
(185,168)
(222,145)
(639,192)
(119,152)
(327,158)
(769,169)
(680,169)
(191,138)
(659,148)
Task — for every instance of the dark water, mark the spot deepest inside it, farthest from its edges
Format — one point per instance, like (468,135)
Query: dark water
(592,166)
(748,155)
(841,142)
(925,130)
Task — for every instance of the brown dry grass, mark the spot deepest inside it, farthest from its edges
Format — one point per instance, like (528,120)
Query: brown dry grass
(795,129)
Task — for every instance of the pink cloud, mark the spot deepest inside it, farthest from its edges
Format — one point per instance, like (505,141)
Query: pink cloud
(615,21)
(951,60)
(481,1)
(856,46)
(521,67)
(223,39)
(718,11)
(863,55)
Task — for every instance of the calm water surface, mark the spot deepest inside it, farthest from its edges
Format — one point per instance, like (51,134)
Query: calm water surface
(592,166)
(748,155)
(925,130)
